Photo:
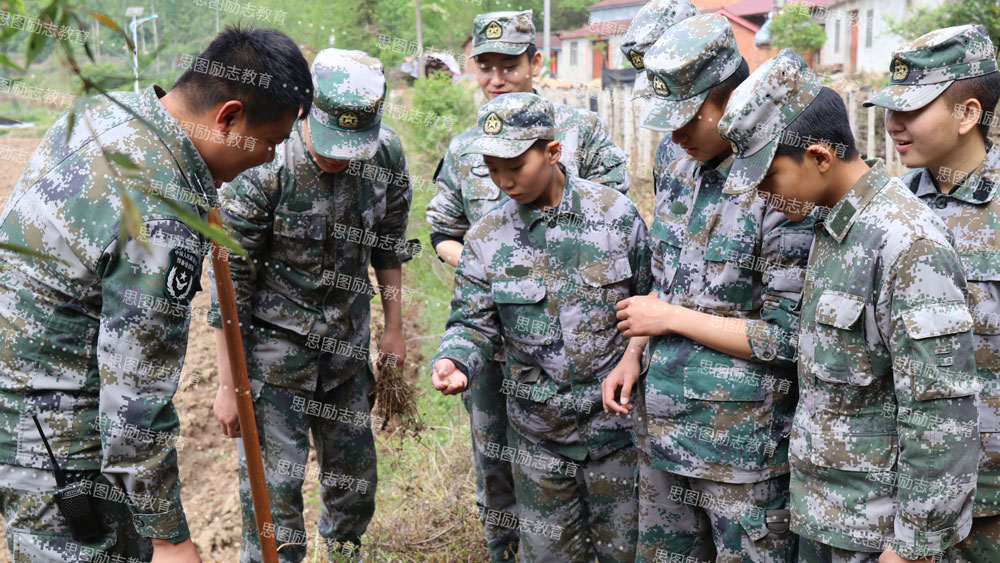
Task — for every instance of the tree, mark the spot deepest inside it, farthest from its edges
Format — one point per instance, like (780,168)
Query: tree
(791,28)
(955,12)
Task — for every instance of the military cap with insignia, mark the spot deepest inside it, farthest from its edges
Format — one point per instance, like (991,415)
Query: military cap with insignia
(509,33)
(649,25)
(510,123)
(924,68)
(759,111)
(683,66)
(348,91)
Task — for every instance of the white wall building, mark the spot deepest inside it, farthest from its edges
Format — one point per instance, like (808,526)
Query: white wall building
(857,32)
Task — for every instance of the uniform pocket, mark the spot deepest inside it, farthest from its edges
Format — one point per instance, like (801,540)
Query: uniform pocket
(299,241)
(732,264)
(938,365)
(854,452)
(606,272)
(841,351)
(665,242)
(521,305)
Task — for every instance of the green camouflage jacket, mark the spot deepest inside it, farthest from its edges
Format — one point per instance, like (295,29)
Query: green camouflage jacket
(885,439)
(312,236)
(547,283)
(712,415)
(94,344)
(972,214)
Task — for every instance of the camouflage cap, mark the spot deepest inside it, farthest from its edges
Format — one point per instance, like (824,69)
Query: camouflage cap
(924,68)
(509,33)
(684,64)
(348,89)
(648,25)
(510,123)
(759,111)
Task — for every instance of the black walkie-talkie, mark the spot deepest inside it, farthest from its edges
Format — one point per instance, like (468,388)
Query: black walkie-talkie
(73,501)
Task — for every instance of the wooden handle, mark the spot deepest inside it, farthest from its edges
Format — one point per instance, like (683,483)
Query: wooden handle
(244,402)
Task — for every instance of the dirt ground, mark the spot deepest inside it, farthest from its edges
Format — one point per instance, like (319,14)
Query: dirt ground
(208,464)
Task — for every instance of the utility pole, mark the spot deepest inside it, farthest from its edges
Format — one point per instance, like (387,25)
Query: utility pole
(420,42)
(156,36)
(134,12)
(96,34)
(546,32)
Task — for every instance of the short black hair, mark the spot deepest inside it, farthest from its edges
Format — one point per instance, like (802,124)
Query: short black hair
(254,52)
(530,51)
(824,121)
(540,144)
(720,92)
(985,88)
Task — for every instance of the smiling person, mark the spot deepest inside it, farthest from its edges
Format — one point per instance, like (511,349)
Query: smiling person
(542,271)
(720,328)
(885,439)
(939,106)
(506,60)
(91,340)
(312,223)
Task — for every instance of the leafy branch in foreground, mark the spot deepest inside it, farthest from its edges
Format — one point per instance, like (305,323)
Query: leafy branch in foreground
(59,14)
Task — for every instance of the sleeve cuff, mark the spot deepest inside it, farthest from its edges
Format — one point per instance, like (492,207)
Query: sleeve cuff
(437,238)
(770,344)
(170,525)
(914,543)
(763,347)
(469,369)
(213,318)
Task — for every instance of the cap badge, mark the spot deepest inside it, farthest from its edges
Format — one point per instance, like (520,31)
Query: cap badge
(636,58)
(492,124)
(900,70)
(348,120)
(660,87)
(493,30)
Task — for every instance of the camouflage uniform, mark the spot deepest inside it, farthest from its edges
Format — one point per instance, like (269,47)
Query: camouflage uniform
(710,425)
(305,310)
(646,28)
(883,443)
(466,194)
(546,282)
(971,212)
(94,344)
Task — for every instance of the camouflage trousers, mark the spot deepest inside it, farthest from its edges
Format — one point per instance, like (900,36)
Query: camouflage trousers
(689,519)
(37,532)
(982,545)
(345,451)
(578,510)
(487,410)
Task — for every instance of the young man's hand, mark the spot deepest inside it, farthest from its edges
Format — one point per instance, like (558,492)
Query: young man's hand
(166,552)
(226,413)
(447,378)
(621,379)
(890,556)
(224,407)
(392,344)
(643,315)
